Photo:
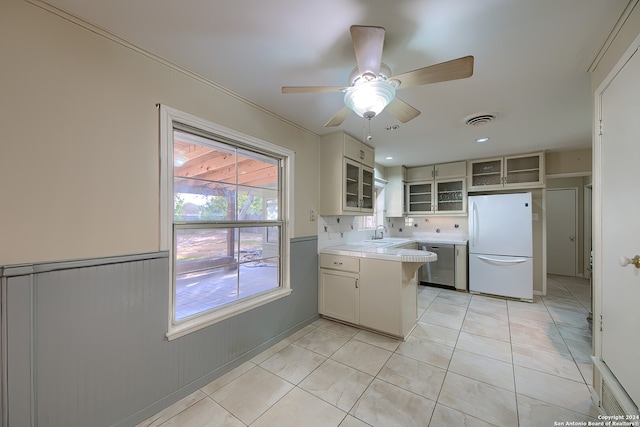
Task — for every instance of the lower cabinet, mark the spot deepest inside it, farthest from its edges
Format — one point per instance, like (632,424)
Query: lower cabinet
(338,291)
(371,293)
(338,295)
(461,267)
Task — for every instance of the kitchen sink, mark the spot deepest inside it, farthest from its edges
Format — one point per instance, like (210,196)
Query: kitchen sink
(384,242)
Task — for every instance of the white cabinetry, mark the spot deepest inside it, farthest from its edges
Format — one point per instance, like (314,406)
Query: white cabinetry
(437,189)
(440,171)
(346,175)
(522,171)
(387,304)
(368,292)
(396,177)
(338,293)
(420,197)
(461,267)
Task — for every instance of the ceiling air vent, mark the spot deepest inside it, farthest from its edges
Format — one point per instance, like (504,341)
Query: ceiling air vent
(479,120)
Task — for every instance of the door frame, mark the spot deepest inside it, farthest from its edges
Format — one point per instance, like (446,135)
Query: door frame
(597,196)
(587,243)
(575,230)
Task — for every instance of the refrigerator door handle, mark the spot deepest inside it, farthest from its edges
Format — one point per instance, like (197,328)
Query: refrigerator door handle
(503,261)
(474,224)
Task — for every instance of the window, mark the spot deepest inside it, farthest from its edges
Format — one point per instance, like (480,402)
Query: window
(225,220)
(377,218)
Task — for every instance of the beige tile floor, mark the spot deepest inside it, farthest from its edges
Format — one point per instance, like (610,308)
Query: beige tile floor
(471,361)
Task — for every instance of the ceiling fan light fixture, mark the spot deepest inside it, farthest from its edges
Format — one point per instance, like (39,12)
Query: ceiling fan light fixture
(369,98)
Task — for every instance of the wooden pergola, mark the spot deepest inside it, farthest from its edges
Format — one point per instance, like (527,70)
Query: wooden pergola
(207,171)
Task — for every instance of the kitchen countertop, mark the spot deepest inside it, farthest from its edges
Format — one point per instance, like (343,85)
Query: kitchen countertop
(385,249)
(442,238)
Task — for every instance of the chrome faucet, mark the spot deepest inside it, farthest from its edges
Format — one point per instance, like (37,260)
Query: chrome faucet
(375,233)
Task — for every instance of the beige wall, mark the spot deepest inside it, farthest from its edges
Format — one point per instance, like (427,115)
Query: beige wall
(79,172)
(571,169)
(568,162)
(623,37)
(579,183)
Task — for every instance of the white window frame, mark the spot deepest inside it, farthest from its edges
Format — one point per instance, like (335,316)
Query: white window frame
(169,117)
(377,217)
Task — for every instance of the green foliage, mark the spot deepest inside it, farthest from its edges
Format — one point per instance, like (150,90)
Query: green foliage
(250,204)
(178,207)
(214,208)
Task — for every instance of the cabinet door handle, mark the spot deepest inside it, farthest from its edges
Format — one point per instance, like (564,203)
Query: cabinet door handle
(337,263)
(356,283)
(362,154)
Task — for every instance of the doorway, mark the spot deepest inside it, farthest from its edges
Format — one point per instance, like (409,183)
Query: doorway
(562,236)
(616,206)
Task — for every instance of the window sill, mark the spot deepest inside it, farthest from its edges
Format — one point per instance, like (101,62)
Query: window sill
(200,322)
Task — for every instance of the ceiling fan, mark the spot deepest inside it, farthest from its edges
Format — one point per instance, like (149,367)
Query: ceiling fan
(372,87)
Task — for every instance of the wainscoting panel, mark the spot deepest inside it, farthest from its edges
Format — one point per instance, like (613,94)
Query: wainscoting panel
(84,342)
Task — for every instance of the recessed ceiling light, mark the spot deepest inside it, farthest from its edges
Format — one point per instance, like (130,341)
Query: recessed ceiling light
(388,158)
(482,139)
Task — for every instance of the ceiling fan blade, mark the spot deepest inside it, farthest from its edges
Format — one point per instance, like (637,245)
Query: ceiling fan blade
(339,117)
(401,110)
(312,89)
(460,68)
(368,42)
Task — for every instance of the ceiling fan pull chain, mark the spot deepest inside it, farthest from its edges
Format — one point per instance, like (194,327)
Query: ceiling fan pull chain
(364,129)
(366,135)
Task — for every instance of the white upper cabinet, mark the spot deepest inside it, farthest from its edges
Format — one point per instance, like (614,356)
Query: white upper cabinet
(521,171)
(420,197)
(437,189)
(356,150)
(346,176)
(396,177)
(450,170)
(440,171)
(420,173)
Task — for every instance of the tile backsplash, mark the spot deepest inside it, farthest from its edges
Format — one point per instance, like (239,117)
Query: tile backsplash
(411,226)
(339,230)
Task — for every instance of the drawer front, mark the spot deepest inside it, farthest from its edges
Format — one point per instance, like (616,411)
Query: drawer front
(342,263)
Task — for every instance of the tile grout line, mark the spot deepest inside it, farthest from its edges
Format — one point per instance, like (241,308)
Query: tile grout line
(350,338)
(449,364)
(564,340)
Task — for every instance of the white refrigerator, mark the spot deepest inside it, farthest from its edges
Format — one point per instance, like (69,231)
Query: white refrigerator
(501,245)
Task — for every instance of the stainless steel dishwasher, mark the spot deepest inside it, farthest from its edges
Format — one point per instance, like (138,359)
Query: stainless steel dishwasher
(443,270)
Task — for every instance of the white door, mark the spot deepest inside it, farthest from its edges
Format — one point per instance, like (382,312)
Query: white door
(562,229)
(620,228)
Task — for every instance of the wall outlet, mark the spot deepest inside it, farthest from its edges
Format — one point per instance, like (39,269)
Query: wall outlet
(312,215)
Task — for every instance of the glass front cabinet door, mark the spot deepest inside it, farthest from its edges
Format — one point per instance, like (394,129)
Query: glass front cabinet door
(451,196)
(419,197)
(358,187)
(520,171)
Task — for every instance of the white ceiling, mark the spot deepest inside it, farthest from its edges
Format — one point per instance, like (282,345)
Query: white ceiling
(531,62)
